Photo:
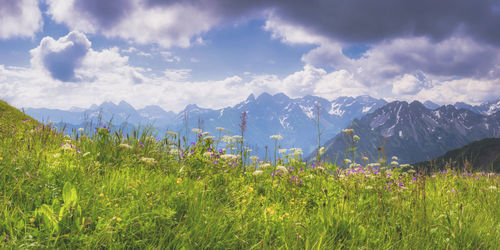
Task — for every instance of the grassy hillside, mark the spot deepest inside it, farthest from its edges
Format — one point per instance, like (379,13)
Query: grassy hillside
(108,190)
(480,155)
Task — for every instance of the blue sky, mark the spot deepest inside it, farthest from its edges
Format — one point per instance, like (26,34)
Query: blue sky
(59,53)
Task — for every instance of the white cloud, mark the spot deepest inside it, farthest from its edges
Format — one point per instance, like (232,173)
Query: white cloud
(19,18)
(135,21)
(177,74)
(170,57)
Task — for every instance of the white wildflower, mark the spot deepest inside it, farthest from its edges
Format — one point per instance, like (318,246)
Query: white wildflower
(148,160)
(81,129)
(125,146)
(265,165)
(394,163)
(395,158)
(257,172)
(172,133)
(355,138)
(347,161)
(276,137)
(492,187)
(254,158)
(282,151)
(348,131)
(321,150)
(282,169)
(207,154)
(227,156)
(205,133)
(196,130)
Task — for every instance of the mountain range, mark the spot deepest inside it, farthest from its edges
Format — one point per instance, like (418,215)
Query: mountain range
(292,118)
(413,132)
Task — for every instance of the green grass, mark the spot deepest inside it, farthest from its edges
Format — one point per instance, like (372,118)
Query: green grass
(107,190)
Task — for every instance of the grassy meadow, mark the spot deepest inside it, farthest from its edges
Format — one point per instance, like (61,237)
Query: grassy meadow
(104,189)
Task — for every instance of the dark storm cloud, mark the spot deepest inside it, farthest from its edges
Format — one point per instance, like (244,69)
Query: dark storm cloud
(10,7)
(60,58)
(371,20)
(106,13)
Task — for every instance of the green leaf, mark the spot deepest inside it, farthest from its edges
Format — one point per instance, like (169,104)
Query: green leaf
(69,194)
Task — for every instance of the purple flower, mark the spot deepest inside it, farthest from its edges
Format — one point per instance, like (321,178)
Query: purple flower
(209,149)
(215,162)
(415,178)
(220,151)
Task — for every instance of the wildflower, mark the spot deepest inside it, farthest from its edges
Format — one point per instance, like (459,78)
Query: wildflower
(125,146)
(227,156)
(395,158)
(196,130)
(211,137)
(282,151)
(348,131)
(205,133)
(282,169)
(296,151)
(270,210)
(101,195)
(321,151)
(404,165)
(347,161)
(492,187)
(174,151)
(254,158)
(219,129)
(179,180)
(355,138)
(368,187)
(81,129)
(174,134)
(276,137)
(257,172)
(148,160)
(86,153)
(207,154)
(365,158)
(265,165)
(395,163)
(118,219)
(237,137)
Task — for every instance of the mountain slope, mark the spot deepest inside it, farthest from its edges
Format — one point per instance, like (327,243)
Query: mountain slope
(487,108)
(11,119)
(481,155)
(414,133)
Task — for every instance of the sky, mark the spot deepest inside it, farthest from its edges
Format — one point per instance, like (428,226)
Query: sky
(214,53)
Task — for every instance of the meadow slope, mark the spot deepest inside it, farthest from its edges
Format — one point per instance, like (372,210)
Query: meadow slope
(111,190)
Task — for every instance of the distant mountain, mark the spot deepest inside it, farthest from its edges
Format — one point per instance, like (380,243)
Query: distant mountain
(268,114)
(117,114)
(293,119)
(431,105)
(486,108)
(415,133)
(480,155)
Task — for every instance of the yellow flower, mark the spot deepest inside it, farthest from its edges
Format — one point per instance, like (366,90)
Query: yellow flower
(101,195)
(32,220)
(270,210)
(118,219)
(304,202)
(287,214)
(244,200)
(116,205)
(250,188)
(147,194)
(1,158)
(179,180)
